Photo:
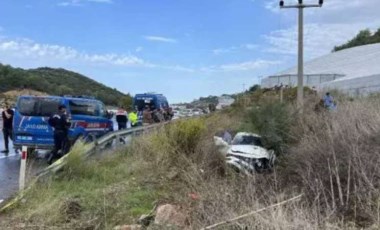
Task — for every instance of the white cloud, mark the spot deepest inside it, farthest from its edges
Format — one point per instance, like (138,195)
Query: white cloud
(334,24)
(234,49)
(333,11)
(272,5)
(28,54)
(101,1)
(319,39)
(139,49)
(160,39)
(23,52)
(24,49)
(250,46)
(223,50)
(82,2)
(243,66)
(178,68)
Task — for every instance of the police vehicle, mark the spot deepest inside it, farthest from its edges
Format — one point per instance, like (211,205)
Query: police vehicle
(153,100)
(88,116)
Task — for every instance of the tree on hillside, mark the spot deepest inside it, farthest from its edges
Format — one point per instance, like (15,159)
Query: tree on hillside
(364,37)
(56,82)
(254,88)
(126,102)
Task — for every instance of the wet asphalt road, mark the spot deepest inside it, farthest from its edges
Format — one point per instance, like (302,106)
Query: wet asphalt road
(10,168)
(9,171)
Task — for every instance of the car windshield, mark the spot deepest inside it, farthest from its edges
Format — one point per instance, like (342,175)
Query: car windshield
(247,140)
(86,107)
(38,106)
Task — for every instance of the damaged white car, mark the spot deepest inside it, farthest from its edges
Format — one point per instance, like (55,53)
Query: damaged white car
(246,153)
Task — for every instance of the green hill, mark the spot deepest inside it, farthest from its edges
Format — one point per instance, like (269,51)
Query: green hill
(56,82)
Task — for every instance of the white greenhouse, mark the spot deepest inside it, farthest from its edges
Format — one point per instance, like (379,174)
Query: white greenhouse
(355,71)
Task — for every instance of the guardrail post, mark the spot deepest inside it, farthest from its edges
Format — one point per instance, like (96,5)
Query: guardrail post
(117,142)
(24,156)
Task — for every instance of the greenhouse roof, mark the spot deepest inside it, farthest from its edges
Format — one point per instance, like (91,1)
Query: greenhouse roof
(354,62)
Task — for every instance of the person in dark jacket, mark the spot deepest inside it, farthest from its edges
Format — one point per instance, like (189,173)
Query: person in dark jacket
(121,119)
(7,116)
(60,124)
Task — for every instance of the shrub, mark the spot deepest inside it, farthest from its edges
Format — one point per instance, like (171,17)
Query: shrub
(272,121)
(185,135)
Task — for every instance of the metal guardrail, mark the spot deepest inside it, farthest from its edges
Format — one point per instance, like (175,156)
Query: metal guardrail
(92,148)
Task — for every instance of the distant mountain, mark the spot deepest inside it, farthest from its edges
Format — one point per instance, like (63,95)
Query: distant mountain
(56,82)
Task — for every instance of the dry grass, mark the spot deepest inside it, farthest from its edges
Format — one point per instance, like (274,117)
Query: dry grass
(337,161)
(333,162)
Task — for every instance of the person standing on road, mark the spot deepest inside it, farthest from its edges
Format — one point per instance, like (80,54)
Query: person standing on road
(133,118)
(61,124)
(147,116)
(7,116)
(121,119)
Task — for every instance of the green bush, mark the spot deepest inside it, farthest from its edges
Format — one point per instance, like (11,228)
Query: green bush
(185,135)
(272,121)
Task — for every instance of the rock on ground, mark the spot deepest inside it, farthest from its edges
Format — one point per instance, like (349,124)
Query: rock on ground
(170,215)
(128,227)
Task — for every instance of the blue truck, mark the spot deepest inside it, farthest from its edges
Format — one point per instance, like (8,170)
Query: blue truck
(88,116)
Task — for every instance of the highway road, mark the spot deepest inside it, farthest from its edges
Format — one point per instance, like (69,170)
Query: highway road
(9,171)
(10,168)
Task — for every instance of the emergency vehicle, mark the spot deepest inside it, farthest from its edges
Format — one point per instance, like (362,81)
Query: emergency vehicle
(153,101)
(88,116)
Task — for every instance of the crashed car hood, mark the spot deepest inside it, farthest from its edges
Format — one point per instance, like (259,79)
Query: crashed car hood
(250,151)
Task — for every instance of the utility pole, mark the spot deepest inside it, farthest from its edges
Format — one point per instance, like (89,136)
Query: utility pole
(300,6)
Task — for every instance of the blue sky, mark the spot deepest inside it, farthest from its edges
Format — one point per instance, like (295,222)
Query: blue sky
(182,48)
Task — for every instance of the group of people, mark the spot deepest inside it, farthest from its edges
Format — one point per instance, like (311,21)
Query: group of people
(122,118)
(151,115)
(148,115)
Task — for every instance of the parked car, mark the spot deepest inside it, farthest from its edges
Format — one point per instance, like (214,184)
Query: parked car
(246,153)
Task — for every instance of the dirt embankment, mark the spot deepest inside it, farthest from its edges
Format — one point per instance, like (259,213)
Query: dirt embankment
(11,96)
